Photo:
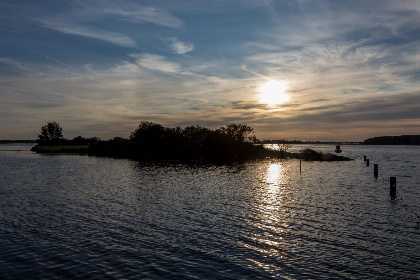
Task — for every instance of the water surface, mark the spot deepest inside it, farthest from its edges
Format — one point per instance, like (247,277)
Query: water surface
(72,216)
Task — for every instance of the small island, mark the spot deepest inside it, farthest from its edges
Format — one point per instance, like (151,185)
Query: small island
(51,141)
(192,144)
(393,140)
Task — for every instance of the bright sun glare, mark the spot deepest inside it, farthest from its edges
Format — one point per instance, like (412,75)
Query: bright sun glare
(274,92)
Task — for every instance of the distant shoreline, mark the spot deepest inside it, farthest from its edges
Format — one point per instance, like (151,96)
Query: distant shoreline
(299,142)
(380,140)
(18,141)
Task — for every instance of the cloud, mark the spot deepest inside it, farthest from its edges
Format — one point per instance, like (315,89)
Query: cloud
(15,66)
(180,47)
(341,66)
(157,62)
(128,93)
(252,105)
(348,66)
(91,32)
(103,98)
(82,20)
(139,14)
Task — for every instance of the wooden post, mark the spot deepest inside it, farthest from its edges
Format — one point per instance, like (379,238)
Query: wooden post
(375,170)
(367,162)
(300,164)
(393,186)
(364,158)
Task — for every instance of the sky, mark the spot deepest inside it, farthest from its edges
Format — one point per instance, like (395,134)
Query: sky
(350,69)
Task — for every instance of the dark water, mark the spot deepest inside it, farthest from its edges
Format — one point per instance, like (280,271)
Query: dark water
(67,217)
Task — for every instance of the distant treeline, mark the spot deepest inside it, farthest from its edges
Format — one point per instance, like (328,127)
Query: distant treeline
(151,141)
(79,140)
(283,141)
(17,141)
(393,140)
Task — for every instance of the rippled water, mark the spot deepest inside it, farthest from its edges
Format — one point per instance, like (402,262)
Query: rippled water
(96,218)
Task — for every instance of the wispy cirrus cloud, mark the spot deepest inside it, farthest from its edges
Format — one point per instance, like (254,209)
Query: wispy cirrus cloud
(81,20)
(347,64)
(141,14)
(15,66)
(157,62)
(180,47)
(80,29)
(342,67)
(122,95)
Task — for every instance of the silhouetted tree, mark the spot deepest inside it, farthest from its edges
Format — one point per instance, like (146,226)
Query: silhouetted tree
(195,135)
(93,139)
(196,140)
(311,155)
(51,132)
(239,132)
(79,140)
(148,132)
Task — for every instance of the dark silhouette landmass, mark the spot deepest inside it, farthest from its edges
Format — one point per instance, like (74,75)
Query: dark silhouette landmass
(393,140)
(232,143)
(153,142)
(193,144)
(67,148)
(79,145)
(51,140)
(312,155)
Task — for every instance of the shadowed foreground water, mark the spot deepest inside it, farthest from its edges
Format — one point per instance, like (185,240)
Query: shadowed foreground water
(84,217)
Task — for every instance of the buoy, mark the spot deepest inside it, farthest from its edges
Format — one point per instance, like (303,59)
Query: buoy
(337,149)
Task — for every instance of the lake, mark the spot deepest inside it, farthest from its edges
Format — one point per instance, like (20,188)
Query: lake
(71,216)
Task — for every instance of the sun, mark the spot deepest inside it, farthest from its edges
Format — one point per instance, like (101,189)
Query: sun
(273,93)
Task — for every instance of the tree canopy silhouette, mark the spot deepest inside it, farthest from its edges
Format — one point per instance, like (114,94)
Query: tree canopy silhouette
(51,132)
(239,132)
(151,141)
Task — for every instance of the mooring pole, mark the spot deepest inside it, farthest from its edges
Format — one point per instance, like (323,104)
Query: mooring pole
(364,158)
(375,170)
(367,162)
(300,164)
(393,186)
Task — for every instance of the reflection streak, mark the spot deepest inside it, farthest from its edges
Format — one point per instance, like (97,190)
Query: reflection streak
(272,223)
